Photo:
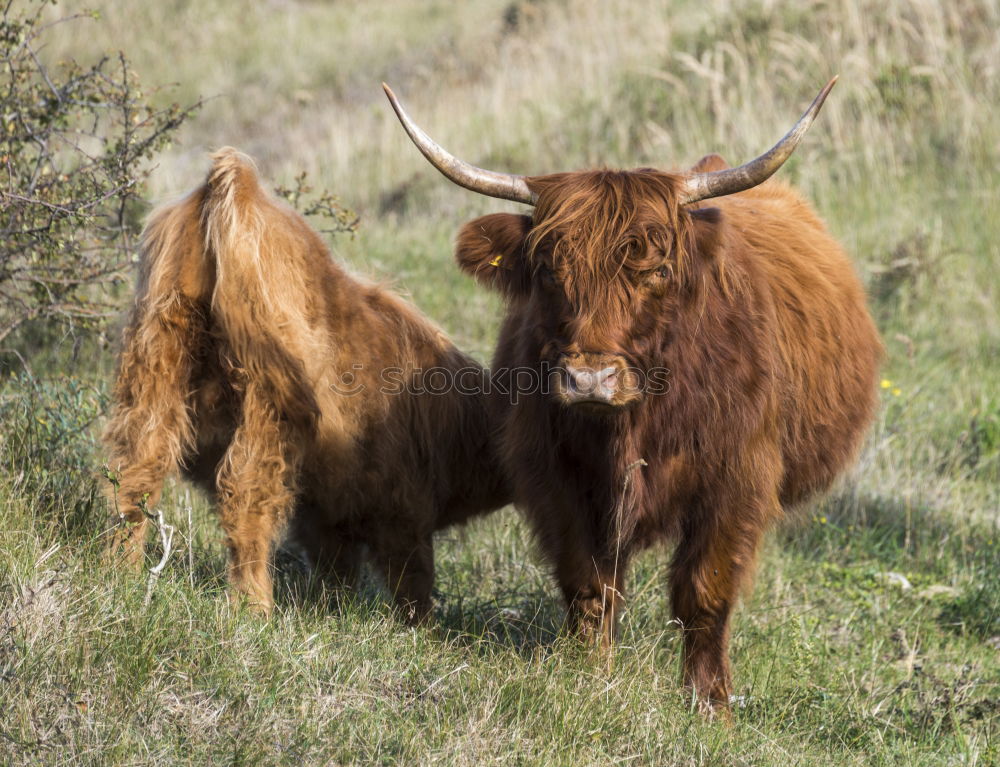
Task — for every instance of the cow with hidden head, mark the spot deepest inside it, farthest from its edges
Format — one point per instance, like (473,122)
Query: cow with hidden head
(704,366)
(293,393)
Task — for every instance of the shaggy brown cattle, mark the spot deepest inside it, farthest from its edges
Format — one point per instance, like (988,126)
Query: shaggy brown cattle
(279,383)
(707,367)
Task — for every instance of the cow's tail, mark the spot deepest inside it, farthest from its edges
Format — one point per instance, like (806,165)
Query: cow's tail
(221,297)
(258,252)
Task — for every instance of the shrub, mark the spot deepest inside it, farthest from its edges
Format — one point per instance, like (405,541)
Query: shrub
(74,148)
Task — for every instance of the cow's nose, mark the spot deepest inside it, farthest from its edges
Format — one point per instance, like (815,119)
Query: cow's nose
(589,385)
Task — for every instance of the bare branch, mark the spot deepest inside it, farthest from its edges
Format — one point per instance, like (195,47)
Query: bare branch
(166,533)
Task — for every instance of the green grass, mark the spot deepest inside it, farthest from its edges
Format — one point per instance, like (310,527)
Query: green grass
(835,662)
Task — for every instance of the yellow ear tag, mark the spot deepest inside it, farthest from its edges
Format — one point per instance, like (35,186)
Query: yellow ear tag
(496,261)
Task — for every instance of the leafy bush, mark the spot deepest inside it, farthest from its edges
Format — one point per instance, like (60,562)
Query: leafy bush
(46,448)
(74,146)
(325,209)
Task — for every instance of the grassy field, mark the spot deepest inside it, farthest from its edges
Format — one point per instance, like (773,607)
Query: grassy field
(873,634)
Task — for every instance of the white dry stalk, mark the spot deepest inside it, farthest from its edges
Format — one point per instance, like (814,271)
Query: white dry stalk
(190,542)
(618,512)
(438,681)
(166,533)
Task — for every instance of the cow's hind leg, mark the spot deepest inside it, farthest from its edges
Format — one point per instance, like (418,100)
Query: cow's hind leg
(404,553)
(334,552)
(136,489)
(255,486)
(150,429)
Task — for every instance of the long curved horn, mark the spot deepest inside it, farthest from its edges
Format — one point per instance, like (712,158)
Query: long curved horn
(506,186)
(701,186)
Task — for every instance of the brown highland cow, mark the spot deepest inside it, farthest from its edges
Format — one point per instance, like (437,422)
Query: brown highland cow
(703,369)
(290,391)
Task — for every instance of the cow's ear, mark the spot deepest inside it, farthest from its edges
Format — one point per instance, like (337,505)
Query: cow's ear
(707,231)
(708,163)
(491,249)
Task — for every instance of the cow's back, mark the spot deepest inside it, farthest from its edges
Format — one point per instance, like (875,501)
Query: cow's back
(388,443)
(828,343)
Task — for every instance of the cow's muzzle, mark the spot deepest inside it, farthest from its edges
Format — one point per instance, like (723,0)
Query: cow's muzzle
(594,381)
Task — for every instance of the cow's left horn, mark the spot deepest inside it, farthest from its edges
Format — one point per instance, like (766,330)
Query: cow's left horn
(701,186)
(506,186)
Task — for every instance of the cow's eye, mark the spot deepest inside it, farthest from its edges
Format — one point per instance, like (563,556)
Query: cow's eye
(630,247)
(662,272)
(546,276)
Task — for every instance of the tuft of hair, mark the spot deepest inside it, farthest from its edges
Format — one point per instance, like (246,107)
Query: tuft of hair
(610,216)
(260,298)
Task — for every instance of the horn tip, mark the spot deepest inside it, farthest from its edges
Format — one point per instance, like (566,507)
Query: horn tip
(388,90)
(821,96)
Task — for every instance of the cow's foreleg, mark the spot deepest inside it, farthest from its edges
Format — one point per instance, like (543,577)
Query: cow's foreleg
(256,495)
(594,590)
(590,571)
(713,562)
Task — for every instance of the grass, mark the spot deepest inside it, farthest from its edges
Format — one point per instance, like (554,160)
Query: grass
(835,661)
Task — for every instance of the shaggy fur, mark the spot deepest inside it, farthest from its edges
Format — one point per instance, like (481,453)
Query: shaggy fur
(235,360)
(771,360)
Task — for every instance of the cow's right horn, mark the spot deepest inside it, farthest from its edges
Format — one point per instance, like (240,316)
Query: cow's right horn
(701,186)
(506,186)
